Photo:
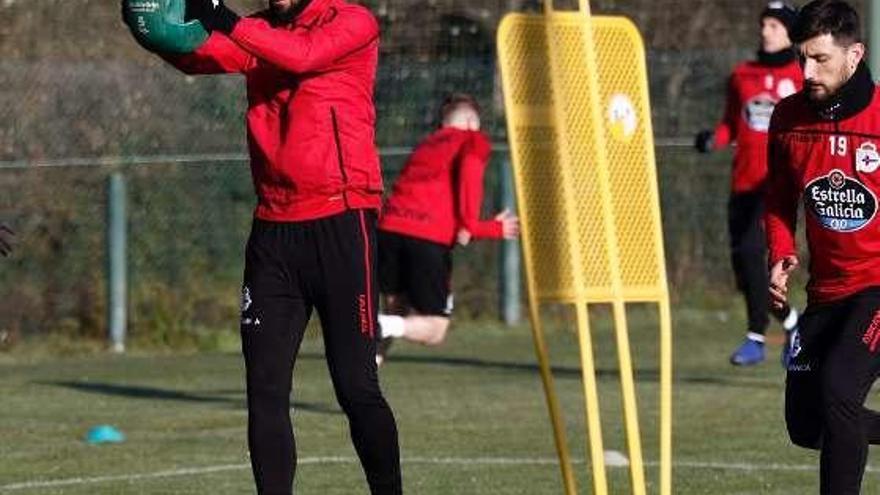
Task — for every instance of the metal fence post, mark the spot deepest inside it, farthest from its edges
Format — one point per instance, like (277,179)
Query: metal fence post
(509,272)
(117,299)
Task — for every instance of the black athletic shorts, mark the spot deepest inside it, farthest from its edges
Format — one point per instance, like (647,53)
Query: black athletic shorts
(417,270)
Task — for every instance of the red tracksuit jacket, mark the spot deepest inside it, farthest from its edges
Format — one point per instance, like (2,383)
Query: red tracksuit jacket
(440,189)
(310,118)
(833,168)
(752,92)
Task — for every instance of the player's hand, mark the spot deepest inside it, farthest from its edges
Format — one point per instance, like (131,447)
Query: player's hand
(463,238)
(5,239)
(704,142)
(213,14)
(779,273)
(509,224)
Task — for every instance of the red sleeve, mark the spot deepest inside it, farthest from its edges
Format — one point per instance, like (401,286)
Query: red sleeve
(217,55)
(473,158)
(725,131)
(781,199)
(312,50)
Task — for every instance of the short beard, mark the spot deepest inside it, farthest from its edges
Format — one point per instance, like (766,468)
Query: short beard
(816,99)
(844,78)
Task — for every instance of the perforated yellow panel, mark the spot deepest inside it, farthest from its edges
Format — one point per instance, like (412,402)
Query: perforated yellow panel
(581,137)
(537,152)
(623,83)
(543,184)
(537,172)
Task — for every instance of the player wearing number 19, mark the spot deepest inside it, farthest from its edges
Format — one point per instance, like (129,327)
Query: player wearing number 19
(823,150)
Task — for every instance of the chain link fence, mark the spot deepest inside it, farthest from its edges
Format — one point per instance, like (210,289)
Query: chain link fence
(86,102)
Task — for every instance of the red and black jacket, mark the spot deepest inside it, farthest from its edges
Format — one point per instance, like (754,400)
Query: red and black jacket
(827,156)
(440,189)
(753,90)
(311,118)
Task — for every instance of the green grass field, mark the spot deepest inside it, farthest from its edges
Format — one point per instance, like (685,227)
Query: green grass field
(471,416)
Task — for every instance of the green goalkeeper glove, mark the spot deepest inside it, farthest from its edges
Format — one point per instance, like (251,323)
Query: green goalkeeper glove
(162,26)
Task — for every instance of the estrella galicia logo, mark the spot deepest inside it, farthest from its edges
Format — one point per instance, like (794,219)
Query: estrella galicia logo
(840,203)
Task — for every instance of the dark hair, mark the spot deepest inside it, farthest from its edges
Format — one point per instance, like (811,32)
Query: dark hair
(454,101)
(834,17)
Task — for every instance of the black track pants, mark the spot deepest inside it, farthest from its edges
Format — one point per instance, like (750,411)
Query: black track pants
(836,359)
(290,269)
(748,253)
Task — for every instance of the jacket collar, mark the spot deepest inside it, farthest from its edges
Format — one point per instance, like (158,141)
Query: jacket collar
(776,59)
(853,97)
(312,13)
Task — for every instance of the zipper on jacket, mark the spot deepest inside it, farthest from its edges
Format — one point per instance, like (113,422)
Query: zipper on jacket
(853,166)
(339,156)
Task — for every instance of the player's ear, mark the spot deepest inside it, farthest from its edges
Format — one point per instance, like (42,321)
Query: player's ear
(474,121)
(854,54)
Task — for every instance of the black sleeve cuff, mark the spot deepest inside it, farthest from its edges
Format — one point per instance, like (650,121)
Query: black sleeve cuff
(226,20)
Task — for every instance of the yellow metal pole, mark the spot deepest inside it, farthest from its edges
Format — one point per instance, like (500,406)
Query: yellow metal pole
(591,394)
(630,406)
(584,6)
(559,435)
(559,431)
(665,314)
(630,411)
(665,398)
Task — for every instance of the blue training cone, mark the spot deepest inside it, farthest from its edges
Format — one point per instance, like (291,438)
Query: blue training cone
(104,434)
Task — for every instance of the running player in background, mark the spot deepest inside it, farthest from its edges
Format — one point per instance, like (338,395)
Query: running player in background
(753,90)
(435,203)
(823,151)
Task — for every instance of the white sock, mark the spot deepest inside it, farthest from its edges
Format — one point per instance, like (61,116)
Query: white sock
(391,325)
(791,320)
(757,337)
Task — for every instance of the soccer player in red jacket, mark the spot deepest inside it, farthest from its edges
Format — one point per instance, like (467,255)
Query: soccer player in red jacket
(823,153)
(435,203)
(754,89)
(310,68)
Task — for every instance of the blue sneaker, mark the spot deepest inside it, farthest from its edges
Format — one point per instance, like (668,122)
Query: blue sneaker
(749,353)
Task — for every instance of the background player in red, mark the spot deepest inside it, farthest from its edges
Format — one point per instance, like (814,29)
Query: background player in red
(823,151)
(435,204)
(753,90)
(310,69)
